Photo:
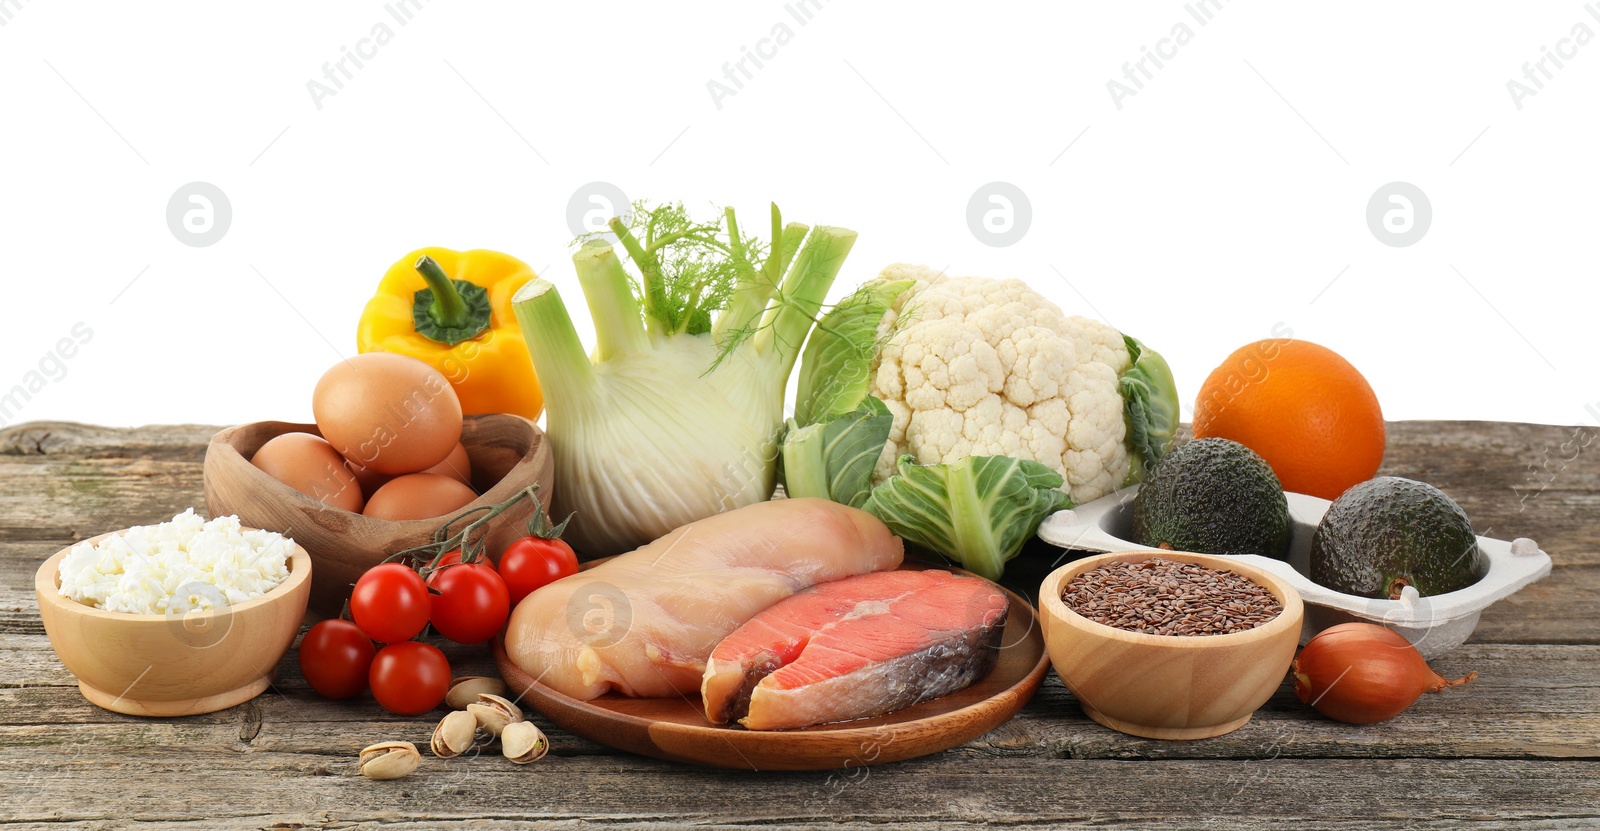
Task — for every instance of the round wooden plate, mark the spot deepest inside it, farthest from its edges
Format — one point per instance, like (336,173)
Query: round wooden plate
(676,728)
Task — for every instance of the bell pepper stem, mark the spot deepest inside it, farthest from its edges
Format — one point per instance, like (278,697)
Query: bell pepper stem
(448,308)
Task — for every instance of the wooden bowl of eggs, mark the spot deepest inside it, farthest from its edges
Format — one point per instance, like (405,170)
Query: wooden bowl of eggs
(389,460)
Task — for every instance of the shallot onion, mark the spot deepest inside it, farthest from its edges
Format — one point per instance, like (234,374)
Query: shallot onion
(1361,673)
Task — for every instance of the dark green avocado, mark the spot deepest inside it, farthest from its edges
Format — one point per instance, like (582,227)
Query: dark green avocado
(1213,496)
(1388,533)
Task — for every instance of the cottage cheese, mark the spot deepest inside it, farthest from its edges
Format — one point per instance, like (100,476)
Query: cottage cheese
(184,565)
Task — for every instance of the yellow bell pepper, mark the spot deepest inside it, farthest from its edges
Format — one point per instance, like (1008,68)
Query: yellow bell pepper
(452,309)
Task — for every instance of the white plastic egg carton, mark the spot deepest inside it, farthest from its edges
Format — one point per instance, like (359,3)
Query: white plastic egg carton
(1435,625)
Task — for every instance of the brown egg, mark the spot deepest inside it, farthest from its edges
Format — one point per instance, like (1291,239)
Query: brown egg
(419,496)
(311,466)
(457,466)
(388,412)
(370,479)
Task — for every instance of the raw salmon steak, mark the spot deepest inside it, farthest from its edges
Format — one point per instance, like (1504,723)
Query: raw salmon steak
(855,648)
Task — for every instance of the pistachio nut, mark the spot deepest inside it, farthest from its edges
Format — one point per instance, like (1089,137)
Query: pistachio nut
(466,689)
(493,713)
(522,742)
(454,734)
(389,760)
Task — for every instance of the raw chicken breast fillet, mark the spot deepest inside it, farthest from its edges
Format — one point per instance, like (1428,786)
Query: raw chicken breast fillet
(643,623)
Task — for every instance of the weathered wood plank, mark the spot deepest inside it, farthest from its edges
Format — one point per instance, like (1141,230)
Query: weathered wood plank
(26,660)
(60,500)
(1529,701)
(1563,608)
(279,822)
(89,441)
(264,787)
(1531,480)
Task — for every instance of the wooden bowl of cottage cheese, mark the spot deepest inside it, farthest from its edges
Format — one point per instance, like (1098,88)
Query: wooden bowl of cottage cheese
(209,627)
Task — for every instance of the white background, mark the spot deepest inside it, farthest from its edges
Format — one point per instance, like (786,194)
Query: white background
(1226,197)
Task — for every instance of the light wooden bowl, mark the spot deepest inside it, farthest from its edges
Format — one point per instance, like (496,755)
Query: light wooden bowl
(1168,686)
(508,453)
(173,665)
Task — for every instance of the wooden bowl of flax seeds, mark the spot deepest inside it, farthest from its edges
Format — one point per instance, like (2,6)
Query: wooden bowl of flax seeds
(1168,644)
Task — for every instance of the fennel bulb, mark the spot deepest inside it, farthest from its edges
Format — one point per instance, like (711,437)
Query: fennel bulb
(678,414)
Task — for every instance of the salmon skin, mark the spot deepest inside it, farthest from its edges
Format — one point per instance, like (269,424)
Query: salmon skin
(854,648)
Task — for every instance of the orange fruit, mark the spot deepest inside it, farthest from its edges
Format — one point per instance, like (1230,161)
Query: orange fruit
(1302,407)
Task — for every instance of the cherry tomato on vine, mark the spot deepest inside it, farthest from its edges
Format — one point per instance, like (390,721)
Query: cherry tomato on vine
(455,557)
(534,562)
(390,603)
(410,677)
(335,657)
(471,604)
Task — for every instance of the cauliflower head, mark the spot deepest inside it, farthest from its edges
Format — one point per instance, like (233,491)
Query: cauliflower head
(972,366)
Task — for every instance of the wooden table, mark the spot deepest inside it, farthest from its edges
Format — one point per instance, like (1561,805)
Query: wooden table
(1518,748)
